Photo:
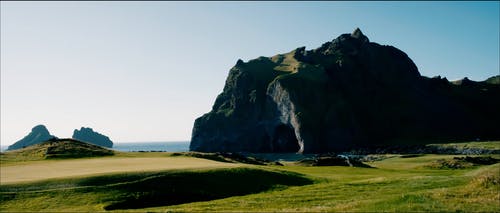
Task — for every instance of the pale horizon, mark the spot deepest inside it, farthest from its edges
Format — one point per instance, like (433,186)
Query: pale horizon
(144,71)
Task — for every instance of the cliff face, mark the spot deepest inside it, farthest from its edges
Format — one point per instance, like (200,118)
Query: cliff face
(348,93)
(37,135)
(88,135)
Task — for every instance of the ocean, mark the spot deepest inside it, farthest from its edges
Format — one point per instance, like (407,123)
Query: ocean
(173,146)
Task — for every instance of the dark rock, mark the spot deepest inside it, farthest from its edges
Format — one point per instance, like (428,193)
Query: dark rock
(88,135)
(276,163)
(37,135)
(333,160)
(357,34)
(349,93)
(239,62)
(228,157)
(450,164)
(480,160)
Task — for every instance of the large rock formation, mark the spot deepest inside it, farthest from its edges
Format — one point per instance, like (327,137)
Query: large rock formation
(37,135)
(348,93)
(88,135)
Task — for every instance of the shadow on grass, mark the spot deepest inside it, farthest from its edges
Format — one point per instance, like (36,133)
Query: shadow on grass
(186,187)
(333,161)
(227,157)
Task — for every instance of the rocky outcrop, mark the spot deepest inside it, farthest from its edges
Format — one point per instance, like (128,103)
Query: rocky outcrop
(88,135)
(348,93)
(336,160)
(37,135)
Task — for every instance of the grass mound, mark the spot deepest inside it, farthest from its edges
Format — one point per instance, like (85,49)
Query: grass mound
(150,189)
(57,148)
(488,178)
(479,194)
(462,162)
(480,160)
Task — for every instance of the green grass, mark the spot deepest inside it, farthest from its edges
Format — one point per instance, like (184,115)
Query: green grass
(140,190)
(396,183)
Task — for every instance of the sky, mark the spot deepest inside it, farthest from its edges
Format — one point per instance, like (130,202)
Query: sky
(144,71)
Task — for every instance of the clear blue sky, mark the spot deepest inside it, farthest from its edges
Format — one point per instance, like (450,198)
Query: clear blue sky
(143,71)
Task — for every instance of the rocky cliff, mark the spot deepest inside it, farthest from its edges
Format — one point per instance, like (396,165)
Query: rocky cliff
(88,135)
(38,134)
(346,94)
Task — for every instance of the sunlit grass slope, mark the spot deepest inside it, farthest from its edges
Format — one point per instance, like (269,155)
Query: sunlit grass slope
(41,170)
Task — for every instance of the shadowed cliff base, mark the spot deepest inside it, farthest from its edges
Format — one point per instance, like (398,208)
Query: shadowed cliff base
(349,93)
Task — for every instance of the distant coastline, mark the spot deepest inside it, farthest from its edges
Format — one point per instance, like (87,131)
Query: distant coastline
(159,146)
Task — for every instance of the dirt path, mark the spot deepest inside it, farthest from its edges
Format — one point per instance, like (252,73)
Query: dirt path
(41,170)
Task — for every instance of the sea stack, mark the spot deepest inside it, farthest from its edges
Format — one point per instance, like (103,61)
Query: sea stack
(37,135)
(349,93)
(88,135)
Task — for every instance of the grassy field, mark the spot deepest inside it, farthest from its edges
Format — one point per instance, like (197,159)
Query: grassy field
(42,170)
(395,183)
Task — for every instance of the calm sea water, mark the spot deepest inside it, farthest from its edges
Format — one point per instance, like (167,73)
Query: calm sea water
(176,146)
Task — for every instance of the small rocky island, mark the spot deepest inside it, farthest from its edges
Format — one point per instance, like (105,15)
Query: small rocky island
(37,135)
(349,93)
(40,134)
(90,136)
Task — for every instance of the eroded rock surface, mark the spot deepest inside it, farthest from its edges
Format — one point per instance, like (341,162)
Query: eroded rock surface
(348,93)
